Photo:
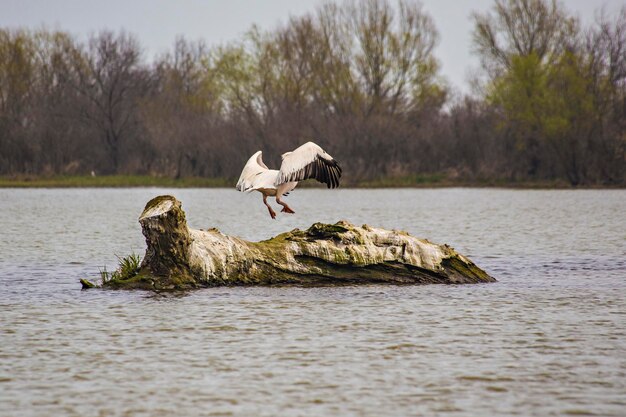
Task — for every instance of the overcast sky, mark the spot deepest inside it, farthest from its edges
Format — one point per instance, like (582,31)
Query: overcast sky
(158,22)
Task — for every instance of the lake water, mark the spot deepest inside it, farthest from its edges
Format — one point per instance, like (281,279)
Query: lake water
(548,339)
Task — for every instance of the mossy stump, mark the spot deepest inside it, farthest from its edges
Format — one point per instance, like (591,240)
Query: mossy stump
(179,258)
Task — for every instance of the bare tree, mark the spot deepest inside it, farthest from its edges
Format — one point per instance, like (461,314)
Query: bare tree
(110,80)
(394,57)
(521,28)
(358,76)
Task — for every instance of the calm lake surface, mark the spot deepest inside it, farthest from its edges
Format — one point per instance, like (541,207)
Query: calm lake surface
(548,339)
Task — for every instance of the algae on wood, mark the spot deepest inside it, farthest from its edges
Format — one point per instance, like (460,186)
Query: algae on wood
(181,258)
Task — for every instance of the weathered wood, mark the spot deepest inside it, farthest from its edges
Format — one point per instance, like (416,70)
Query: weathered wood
(181,258)
(86,284)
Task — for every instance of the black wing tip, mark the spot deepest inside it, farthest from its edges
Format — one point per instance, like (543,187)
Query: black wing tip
(336,171)
(330,172)
(322,170)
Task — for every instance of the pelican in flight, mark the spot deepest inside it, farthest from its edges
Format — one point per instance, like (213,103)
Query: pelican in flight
(307,161)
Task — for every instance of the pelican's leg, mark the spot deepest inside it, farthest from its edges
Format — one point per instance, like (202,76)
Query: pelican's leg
(272,212)
(286,208)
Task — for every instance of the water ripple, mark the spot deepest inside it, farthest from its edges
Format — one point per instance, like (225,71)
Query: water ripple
(547,339)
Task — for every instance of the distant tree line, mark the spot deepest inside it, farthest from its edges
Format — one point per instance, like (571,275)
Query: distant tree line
(359,78)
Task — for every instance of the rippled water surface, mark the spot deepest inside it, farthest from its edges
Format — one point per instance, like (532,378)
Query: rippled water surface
(548,339)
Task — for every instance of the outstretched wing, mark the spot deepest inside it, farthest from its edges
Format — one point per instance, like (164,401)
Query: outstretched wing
(253,167)
(309,161)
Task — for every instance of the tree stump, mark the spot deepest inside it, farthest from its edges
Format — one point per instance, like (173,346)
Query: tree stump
(179,258)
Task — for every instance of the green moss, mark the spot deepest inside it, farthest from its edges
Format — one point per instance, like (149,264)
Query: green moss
(342,257)
(158,200)
(86,284)
(455,266)
(141,280)
(144,279)
(295,234)
(325,231)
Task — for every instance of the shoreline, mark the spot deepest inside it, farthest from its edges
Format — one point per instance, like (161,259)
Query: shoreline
(416,181)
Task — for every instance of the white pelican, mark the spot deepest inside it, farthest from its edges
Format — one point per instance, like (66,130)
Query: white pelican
(307,161)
